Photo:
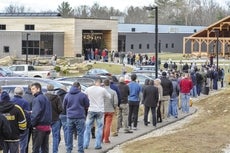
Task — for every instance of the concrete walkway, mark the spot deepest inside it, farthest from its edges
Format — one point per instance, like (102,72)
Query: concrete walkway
(124,137)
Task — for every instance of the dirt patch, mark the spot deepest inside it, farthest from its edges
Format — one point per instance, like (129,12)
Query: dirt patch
(207,131)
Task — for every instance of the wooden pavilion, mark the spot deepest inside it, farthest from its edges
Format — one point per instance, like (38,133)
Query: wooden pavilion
(203,43)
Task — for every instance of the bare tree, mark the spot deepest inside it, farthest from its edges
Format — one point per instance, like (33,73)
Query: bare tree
(16,9)
(82,11)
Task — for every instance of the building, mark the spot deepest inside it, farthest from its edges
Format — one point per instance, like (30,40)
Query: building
(140,38)
(47,34)
(213,40)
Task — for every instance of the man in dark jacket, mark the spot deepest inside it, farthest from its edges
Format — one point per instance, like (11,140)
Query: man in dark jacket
(150,101)
(28,96)
(17,120)
(75,104)
(5,130)
(123,105)
(41,118)
(56,111)
(17,99)
(167,92)
(61,93)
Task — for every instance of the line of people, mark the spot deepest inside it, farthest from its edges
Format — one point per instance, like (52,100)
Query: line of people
(106,107)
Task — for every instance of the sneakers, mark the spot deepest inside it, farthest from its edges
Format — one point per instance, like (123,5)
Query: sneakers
(134,128)
(128,131)
(97,148)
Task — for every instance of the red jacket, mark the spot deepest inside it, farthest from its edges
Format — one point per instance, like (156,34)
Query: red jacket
(185,85)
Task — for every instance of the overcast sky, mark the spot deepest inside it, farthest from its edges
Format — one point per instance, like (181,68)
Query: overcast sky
(44,5)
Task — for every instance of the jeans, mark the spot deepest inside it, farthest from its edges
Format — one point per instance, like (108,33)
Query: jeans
(24,141)
(107,125)
(63,119)
(40,141)
(123,116)
(56,127)
(193,91)
(133,113)
(99,118)
(173,107)
(73,125)
(198,89)
(185,98)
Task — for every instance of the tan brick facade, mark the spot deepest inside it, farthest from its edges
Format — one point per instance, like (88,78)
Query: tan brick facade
(71,27)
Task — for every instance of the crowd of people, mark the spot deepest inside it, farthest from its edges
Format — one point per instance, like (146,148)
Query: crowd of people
(101,111)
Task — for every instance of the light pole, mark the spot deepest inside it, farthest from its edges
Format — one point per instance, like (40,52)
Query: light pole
(156,37)
(27,45)
(217,32)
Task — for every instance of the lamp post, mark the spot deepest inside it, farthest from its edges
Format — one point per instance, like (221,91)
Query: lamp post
(27,45)
(156,37)
(217,32)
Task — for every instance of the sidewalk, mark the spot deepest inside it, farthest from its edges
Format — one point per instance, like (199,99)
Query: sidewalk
(124,137)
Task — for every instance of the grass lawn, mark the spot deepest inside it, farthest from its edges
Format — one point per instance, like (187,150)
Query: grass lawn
(112,68)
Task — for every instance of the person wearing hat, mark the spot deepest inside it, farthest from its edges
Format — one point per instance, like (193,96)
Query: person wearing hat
(16,117)
(56,111)
(123,106)
(17,99)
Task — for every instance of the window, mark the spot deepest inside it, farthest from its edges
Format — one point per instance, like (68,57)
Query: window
(140,46)
(147,46)
(133,29)
(2,27)
(132,46)
(6,49)
(172,45)
(166,45)
(29,27)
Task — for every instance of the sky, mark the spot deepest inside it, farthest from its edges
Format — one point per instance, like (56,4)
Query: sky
(44,5)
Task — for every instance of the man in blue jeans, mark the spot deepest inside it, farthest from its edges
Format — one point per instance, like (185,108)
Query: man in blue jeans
(75,104)
(56,111)
(96,96)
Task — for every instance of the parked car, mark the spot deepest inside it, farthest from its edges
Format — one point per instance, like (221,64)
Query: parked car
(30,71)
(68,85)
(86,81)
(140,77)
(97,72)
(28,80)
(8,71)
(148,70)
(10,89)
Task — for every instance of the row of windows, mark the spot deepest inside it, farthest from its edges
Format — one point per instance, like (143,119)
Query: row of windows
(27,27)
(148,46)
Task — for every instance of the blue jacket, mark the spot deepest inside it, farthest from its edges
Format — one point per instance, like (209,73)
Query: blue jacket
(134,91)
(75,103)
(115,88)
(24,105)
(41,110)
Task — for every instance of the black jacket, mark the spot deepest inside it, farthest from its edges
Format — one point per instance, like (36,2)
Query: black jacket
(150,96)
(167,86)
(56,105)
(16,117)
(124,93)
